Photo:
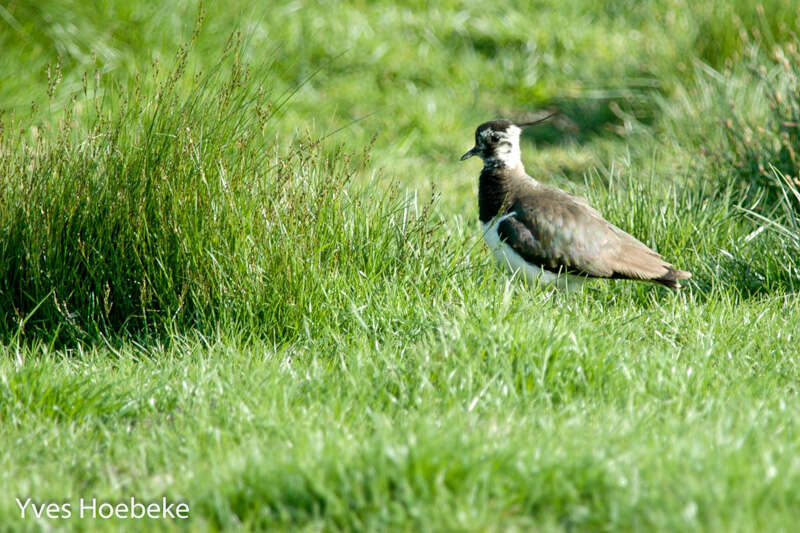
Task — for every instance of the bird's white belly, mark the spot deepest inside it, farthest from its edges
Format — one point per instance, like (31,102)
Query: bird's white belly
(507,257)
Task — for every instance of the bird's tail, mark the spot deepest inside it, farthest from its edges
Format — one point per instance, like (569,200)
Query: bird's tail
(670,279)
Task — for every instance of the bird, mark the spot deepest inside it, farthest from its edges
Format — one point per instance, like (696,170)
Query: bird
(547,235)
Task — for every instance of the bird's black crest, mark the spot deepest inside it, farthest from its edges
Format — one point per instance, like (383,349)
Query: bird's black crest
(494,125)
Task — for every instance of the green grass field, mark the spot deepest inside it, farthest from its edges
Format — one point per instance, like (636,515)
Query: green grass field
(241,266)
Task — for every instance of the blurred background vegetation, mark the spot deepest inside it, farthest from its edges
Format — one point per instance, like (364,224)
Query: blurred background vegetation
(422,73)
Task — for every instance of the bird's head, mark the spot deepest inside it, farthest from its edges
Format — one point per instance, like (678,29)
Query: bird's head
(497,142)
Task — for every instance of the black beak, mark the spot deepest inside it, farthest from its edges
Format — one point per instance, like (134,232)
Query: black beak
(469,154)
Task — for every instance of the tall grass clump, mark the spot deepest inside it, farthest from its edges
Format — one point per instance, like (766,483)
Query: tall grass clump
(754,148)
(756,159)
(168,202)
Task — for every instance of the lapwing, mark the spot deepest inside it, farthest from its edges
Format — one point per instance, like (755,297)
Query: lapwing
(549,236)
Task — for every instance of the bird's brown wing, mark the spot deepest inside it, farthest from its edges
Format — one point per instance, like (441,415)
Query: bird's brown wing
(551,229)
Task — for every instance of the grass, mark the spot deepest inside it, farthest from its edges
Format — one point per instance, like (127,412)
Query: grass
(247,275)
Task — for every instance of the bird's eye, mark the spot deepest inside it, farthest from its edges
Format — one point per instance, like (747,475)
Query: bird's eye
(495,137)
